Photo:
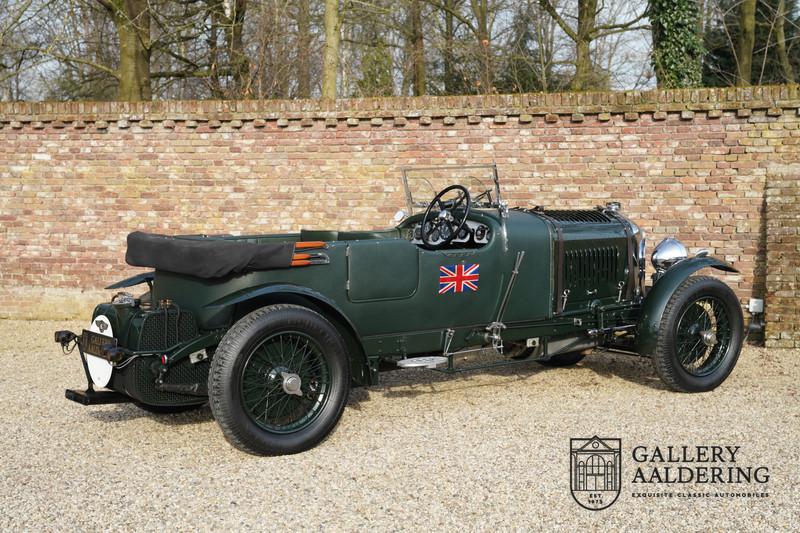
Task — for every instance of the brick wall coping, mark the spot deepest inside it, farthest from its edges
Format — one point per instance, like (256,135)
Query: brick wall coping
(774,99)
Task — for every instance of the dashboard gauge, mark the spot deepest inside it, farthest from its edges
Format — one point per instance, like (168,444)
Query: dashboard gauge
(417,232)
(445,231)
(435,235)
(463,233)
(480,232)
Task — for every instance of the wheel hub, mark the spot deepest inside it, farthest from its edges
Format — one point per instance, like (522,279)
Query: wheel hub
(709,337)
(291,383)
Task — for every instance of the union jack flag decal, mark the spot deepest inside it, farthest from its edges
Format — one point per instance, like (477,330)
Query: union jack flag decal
(458,278)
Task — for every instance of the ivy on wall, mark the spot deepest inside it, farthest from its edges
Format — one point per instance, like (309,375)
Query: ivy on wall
(677,44)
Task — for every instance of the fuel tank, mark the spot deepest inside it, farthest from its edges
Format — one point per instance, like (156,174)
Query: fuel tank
(139,327)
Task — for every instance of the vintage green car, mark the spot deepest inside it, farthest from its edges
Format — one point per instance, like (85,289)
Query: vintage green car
(274,330)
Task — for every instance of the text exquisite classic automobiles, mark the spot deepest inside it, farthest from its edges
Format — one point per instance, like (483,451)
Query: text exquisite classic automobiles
(273,330)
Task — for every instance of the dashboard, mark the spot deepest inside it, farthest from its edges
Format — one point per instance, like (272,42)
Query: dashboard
(472,233)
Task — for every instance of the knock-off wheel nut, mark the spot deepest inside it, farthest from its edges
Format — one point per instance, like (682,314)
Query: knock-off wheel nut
(291,383)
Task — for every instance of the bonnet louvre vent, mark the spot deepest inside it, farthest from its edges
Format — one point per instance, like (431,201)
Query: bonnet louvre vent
(579,216)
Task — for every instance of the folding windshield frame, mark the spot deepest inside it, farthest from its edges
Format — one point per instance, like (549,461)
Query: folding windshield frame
(497,201)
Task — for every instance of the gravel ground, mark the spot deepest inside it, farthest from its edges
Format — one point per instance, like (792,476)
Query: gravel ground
(424,450)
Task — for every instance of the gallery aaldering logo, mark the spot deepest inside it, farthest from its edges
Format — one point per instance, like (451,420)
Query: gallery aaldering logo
(681,472)
(595,471)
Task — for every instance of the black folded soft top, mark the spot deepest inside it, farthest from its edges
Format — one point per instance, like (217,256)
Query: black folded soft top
(205,257)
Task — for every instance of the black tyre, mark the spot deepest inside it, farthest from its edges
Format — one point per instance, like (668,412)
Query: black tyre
(700,335)
(564,359)
(279,380)
(168,409)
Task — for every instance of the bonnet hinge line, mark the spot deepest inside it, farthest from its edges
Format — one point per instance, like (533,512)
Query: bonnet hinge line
(560,299)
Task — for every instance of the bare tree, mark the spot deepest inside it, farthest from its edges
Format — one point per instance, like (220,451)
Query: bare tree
(139,49)
(586,30)
(746,41)
(330,61)
(479,20)
(751,44)
(229,17)
(529,55)
(14,57)
(303,17)
(622,57)
(544,29)
(780,40)
(273,50)
(448,53)
(417,47)
(132,20)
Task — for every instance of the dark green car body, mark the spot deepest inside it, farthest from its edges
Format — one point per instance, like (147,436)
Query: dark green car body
(543,284)
(382,291)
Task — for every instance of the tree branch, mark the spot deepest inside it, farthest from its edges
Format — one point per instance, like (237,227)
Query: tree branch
(461,18)
(71,59)
(547,6)
(620,30)
(601,29)
(108,5)
(199,73)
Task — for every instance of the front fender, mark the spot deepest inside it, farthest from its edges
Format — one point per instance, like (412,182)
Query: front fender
(657,298)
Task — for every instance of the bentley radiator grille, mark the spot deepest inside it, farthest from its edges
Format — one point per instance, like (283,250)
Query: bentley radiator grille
(591,266)
(163,329)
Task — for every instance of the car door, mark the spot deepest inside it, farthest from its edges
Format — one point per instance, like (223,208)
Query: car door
(418,289)
(459,287)
(381,270)
(405,297)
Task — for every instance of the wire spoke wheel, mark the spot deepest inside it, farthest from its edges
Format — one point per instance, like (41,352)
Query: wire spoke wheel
(279,380)
(703,336)
(700,335)
(285,382)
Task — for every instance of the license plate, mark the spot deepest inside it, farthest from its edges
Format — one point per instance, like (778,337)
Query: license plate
(96,344)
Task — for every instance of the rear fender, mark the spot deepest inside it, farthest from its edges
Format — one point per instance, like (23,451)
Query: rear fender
(657,298)
(240,303)
(146,277)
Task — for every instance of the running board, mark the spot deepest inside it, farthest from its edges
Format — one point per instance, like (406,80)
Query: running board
(452,369)
(96,397)
(432,361)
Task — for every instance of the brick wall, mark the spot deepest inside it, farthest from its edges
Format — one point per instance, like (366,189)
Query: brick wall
(75,178)
(783,259)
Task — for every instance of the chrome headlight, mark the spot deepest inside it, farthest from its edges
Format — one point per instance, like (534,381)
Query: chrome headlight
(667,253)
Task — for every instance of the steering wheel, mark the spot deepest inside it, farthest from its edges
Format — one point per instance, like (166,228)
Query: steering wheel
(443,222)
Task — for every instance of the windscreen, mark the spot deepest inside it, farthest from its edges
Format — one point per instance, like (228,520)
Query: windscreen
(422,184)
